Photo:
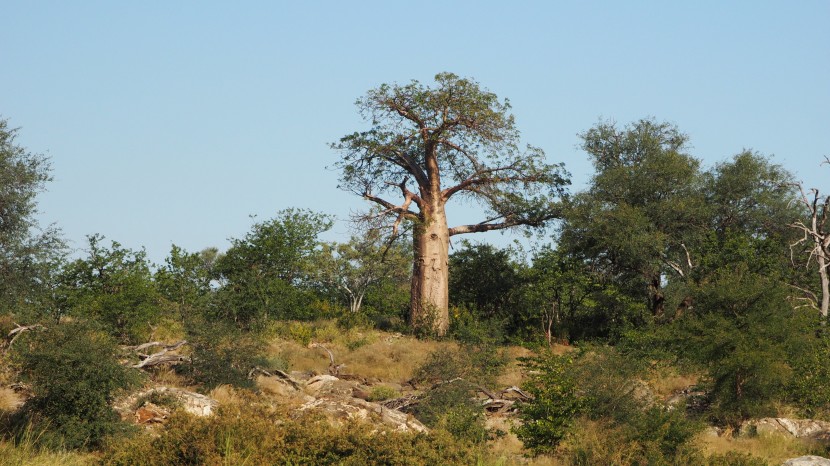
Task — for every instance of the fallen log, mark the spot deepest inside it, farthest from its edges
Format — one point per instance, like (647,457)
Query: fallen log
(165,356)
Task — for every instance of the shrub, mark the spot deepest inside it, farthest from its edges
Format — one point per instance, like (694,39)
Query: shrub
(456,375)
(115,287)
(603,386)
(75,376)
(548,417)
(248,434)
(222,354)
(476,364)
(382,393)
(451,407)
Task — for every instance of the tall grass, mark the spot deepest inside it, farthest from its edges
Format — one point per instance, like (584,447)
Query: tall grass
(25,451)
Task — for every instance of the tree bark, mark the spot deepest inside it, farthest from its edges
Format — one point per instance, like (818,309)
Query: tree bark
(825,284)
(429,305)
(656,297)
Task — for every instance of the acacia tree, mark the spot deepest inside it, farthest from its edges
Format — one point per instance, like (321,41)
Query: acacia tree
(352,269)
(642,209)
(428,145)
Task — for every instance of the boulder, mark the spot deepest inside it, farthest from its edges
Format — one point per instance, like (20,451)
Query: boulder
(807,461)
(799,428)
(343,410)
(192,402)
(328,386)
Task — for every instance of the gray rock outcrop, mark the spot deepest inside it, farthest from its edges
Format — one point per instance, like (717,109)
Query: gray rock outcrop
(807,461)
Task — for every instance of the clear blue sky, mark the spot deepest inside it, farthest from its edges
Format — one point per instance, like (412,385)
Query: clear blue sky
(172,122)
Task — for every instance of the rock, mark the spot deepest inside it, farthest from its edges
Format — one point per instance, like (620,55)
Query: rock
(328,386)
(151,414)
(342,410)
(807,461)
(799,428)
(191,402)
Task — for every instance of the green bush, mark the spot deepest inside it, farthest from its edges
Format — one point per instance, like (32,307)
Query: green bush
(115,287)
(548,417)
(603,386)
(810,385)
(75,376)
(468,328)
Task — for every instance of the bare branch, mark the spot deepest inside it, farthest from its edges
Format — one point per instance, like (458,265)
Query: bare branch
(19,330)
(674,266)
(276,373)
(165,356)
(390,208)
(482,227)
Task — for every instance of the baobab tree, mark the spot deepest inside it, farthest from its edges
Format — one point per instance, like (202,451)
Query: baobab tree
(428,145)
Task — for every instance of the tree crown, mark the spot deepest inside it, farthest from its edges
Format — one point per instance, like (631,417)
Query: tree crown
(451,139)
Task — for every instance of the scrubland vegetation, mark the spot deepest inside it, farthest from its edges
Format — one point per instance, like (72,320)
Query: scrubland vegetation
(666,305)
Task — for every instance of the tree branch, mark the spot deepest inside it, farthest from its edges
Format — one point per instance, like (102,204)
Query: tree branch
(476,180)
(483,226)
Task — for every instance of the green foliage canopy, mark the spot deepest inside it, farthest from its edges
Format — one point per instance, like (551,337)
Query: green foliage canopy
(29,255)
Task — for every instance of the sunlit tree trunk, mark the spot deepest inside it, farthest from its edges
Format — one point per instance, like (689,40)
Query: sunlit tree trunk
(429,305)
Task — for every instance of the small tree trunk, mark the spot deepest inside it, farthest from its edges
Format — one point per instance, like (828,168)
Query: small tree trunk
(825,285)
(658,301)
(429,300)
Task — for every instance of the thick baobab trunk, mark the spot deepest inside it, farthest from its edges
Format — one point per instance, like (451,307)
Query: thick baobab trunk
(429,300)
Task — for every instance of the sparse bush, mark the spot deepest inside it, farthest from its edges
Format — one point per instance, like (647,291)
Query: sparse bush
(595,443)
(456,375)
(300,332)
(604,386)
(382,393)
(451,407)
(476,364)
(222,354)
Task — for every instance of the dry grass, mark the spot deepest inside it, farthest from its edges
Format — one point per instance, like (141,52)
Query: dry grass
(22,455)
(168,330)
(226,395)
(774,448)
(513,372)
(667,381)
(390,359)
(507,450)
(168,377)
(25,452)
(375,355)
(9,400)
(299,357)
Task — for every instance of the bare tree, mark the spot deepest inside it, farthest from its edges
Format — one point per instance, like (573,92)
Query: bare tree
(817,239)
